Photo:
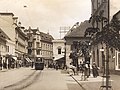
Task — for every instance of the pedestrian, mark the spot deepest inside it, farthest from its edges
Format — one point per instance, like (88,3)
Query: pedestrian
(32,64)
(56,66)
(85,72)
(80,67)
(95,70)
(72,68)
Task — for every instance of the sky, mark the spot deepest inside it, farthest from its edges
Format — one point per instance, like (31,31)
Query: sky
(49,15)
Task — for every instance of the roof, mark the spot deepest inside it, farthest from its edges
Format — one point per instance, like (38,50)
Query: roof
(20,31)
(58,40)
(3,34)
(46,37)
(118,13)
(79,31)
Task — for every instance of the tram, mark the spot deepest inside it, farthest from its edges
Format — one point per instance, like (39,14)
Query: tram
(39,63)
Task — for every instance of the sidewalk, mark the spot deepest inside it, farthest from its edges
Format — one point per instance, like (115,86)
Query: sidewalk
(9,77)
(96,83)
(91,83)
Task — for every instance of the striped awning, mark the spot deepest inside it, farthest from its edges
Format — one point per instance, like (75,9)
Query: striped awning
(28,60)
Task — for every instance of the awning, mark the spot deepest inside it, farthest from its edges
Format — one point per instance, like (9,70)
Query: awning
(28,60)
(15,58)
(57,58)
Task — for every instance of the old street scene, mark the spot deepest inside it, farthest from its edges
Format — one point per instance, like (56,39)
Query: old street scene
(59,45)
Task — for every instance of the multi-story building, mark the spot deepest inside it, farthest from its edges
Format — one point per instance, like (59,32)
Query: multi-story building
(39,44)
(3,48)
(46,46)
(16,45)
(75,34)
(116,54)
(21,43)
(34,44)
(100,8)
(7,23)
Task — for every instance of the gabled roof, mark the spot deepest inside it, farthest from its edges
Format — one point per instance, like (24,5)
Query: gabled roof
(79,31)
(44,37)
(3,34)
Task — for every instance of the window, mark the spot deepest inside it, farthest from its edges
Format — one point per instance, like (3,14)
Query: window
(29,51)
(59,50)
(38,52)
(37,44)
(7,48)
(37,37)
(29,44)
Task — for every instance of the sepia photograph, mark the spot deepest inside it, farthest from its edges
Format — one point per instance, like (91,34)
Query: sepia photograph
(59,44)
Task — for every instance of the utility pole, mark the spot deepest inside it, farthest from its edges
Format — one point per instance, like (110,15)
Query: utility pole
(64,30)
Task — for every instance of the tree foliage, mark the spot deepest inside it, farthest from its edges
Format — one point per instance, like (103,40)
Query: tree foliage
(109,34)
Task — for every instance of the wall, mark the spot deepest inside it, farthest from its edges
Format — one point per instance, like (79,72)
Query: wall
(11,47)
(6,24)
(58,44)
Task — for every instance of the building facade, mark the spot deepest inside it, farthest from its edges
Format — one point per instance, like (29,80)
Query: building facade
(16,45)
(75,34)
(20,44)
(116,17)
(100,8)
(59,51)
(39,44)
(3,49)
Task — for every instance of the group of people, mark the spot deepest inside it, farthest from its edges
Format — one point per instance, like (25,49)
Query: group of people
(86,69)
(53,65)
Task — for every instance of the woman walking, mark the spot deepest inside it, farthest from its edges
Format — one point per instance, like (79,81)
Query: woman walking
(95,70)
